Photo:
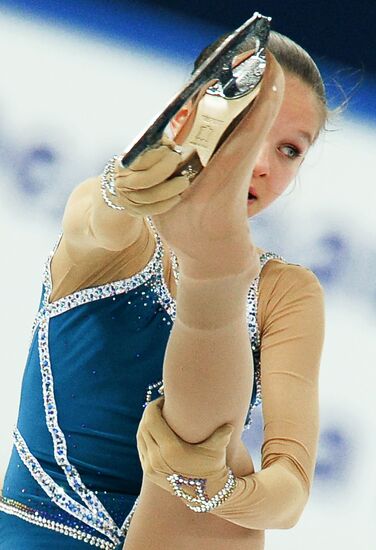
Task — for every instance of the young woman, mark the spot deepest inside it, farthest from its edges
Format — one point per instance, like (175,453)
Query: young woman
(100,337)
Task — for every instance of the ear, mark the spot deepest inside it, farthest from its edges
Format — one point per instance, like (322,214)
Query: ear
(179,119)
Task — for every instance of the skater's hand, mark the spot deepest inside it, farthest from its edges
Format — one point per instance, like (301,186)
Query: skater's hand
(142,188)
(162,452)
(208,230)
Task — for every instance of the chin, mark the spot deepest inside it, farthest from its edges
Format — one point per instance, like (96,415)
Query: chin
(252,210)
(256,207)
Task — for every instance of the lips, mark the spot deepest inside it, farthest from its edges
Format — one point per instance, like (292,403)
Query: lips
(251,193)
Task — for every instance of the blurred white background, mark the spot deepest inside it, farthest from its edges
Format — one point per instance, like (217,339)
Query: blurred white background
(68,101)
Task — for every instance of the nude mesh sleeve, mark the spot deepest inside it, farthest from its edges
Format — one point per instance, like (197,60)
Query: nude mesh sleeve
(292,320)
(99,244)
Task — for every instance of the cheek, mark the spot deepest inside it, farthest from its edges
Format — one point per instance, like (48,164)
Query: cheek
(282,175)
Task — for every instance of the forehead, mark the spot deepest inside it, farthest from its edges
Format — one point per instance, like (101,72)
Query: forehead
(300,110)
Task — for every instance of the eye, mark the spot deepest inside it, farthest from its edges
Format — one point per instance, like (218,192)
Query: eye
(290,151)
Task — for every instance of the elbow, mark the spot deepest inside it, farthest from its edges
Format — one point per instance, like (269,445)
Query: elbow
(273,498)
(289,523)
(293,511)
(295,489)
(298,488)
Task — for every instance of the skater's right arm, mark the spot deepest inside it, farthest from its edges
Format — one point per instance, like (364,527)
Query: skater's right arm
(142,190)
(88,223)
(101,244)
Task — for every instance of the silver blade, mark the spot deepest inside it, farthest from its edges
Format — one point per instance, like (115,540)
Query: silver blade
(253,34)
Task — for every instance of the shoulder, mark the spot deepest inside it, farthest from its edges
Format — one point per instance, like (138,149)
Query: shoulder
(279,276)
(285,286)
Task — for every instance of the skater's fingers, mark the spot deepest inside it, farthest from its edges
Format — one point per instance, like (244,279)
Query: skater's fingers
(217,441)
(152,156)
(151,175)
(161,192)
(142,210)
(154,455)
(142,449)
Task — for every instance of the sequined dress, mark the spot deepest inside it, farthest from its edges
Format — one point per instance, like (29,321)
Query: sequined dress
(95,360)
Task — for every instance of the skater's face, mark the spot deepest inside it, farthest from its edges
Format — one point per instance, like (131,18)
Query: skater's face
(294,130)
(289,140)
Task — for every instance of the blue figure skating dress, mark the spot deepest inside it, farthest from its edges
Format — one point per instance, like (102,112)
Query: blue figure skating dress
(95,360)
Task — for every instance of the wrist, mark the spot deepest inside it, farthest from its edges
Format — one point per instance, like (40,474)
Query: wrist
(198,494)
(235,500)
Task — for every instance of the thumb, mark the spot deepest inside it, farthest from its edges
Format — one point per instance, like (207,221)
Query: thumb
(165,148)
(220,438)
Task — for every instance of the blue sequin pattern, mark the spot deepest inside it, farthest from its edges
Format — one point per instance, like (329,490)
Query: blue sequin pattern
(97,356)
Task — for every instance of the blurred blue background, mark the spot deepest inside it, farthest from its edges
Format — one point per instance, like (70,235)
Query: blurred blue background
(80,79)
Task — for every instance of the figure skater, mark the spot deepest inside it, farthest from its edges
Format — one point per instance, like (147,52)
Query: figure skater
(169,252)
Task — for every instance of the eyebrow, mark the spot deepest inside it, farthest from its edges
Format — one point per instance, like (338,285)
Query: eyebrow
(306,135)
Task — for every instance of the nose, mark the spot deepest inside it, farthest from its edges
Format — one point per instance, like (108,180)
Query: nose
(262,166)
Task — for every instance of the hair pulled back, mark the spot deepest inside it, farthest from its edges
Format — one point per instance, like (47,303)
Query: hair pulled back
(293,59)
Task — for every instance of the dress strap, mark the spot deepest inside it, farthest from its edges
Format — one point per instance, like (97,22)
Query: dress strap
(254,333)
(266,256)
(47,278)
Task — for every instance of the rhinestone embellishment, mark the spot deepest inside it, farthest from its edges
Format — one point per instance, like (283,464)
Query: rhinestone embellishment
(49,521)
(108,183)
(189,172)
(201,501)
(94,515)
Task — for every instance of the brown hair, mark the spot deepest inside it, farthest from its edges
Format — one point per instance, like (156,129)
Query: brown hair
(293,59)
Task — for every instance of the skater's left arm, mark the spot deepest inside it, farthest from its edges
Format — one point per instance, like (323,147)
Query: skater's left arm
(291,345)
